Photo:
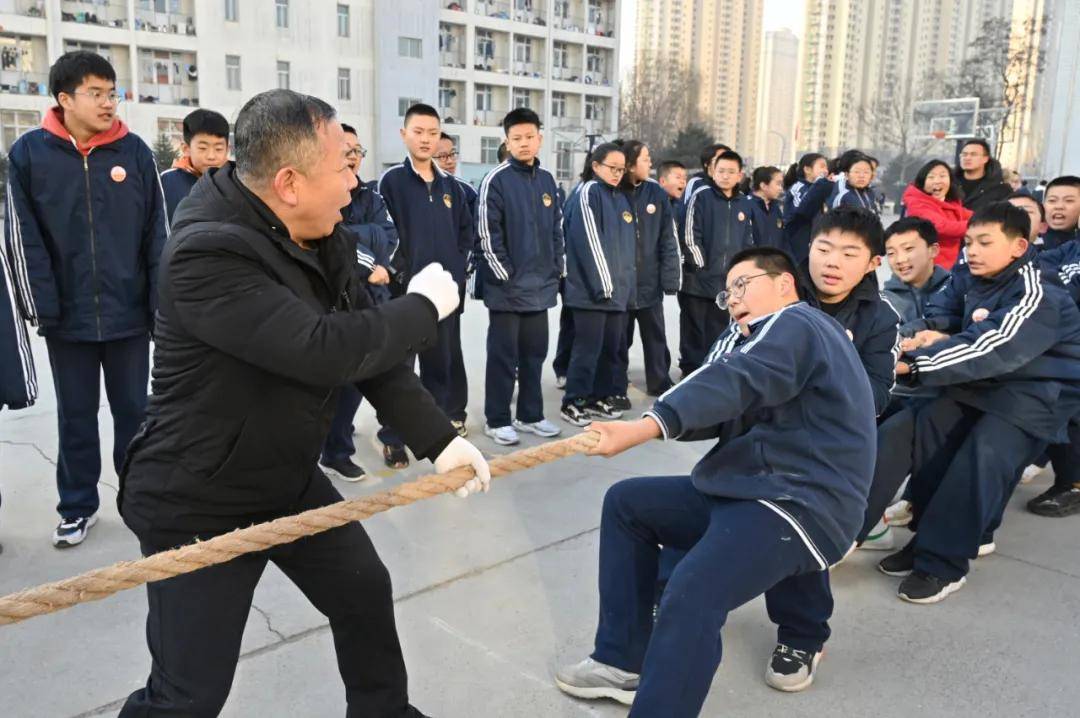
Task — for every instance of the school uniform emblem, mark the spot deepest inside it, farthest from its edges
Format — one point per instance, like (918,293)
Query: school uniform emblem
(779,224)
(627,217)
(447,201)
(980,314)
(118,174)
(650,208)
(546,199)
(742,217)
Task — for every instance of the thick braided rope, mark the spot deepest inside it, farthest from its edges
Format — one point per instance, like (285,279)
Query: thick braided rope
(102,582)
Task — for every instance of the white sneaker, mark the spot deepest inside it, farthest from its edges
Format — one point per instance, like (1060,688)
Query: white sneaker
(541,428)
(72,532)
(880,538)
(899,514)
(503,436)
(592,679)
(987,548)
(1030,473)
(560,382)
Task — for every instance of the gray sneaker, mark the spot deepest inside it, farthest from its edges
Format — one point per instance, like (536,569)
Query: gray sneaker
(592,679)
(502,435)
(542,428)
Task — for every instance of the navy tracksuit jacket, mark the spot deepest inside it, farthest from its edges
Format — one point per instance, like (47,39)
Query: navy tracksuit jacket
(1055,238)
(768,223)
(803,202)
(18,380)
(176,184)
(717,227)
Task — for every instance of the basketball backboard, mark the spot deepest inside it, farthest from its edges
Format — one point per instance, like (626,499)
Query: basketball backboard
(951,119)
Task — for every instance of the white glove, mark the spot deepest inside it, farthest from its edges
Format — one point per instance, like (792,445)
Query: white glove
(461,453)
(438,286)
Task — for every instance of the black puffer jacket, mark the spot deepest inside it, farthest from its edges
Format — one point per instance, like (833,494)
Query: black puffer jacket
(253,336)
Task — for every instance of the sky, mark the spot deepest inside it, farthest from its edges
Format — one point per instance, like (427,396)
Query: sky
(778,14)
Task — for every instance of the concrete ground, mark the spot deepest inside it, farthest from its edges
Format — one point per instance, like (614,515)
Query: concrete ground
(495,591)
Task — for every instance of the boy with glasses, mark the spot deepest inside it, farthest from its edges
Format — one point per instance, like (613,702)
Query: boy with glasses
(86,224)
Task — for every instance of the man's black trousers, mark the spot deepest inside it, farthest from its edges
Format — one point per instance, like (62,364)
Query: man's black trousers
(700,324)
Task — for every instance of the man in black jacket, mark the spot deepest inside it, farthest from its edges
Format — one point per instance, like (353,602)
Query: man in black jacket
(979,176)
(261,318)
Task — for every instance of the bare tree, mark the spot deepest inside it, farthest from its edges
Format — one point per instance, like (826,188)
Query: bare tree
(658,99)
(1000,69)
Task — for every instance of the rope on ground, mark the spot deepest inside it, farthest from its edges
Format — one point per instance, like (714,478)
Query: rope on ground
(99,583)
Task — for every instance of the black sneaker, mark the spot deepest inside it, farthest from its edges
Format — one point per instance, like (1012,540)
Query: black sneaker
(922,587)
(459,427)
(601,409)
(1057,501)
(394,456)
(72,532)
(790,669)
(619,402)
(344,469)
(900,563)
(576,413)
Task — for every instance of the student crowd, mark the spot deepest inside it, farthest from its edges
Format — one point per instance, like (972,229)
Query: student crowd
(840,408)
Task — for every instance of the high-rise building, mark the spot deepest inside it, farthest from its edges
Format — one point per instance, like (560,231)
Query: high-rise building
(171,57)
(557,57)
(858,54)
(720,41)
(776,98)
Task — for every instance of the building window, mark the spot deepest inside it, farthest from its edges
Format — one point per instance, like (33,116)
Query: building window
(232,72)
(409,47)
(561,57)
(281,12)
(404,103)
(558,104)
(484,96)
(522,97)
(489,150)
(232,12)
(594,60)
(564,158)
(14,123)
(344,83)
(594,108)
(342,20)
(446,95)
(522,50)
(485,49)
(282,75)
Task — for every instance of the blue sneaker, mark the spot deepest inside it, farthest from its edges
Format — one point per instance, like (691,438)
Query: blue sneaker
(72,532)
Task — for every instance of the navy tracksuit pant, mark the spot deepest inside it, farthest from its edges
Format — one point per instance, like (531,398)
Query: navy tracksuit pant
(565,343)
(700,324)
(1065,458)
(77,368)
(966,465)
(736,551)
(517,342)
(895,447)
(598,339)
(653,347)
(339,443)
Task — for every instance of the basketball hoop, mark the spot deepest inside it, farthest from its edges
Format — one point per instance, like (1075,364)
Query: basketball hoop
(938,134)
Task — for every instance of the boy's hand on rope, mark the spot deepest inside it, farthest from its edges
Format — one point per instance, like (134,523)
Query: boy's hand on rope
(618,436)
(461,453)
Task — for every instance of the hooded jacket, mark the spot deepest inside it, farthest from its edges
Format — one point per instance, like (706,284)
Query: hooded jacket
(717,226)
(18,380)
(659,266)
(793,415)
(85,227)
(950,219)
(1015,352)
(254,335)
(600,249)
(991,188)
(803,202)
(520,237)
(767,222)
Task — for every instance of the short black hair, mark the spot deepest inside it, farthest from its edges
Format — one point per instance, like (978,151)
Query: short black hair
(422,110)
(923,227)
(710,151)
(980,142)
(1064,181)
(767,259)
(502,153)
(275,129)
(858,221)
(349,130)
(763,175)
(445,136)
(668,165)
(72,68)
(1029,196)
(205,122)
(730,155)
(1014,222)
(920,179)
(520,116)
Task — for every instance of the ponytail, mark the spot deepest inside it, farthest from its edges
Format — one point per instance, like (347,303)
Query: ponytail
(791,176)
(797,171)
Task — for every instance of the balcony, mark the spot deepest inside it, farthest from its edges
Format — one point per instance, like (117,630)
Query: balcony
(529,69)
(489,118)
(451,45)
(185,95)
(150,16)
(498,9)
(27,8)
(104,14)
(492,63)
(452,102)
(24,83)
(596,23)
